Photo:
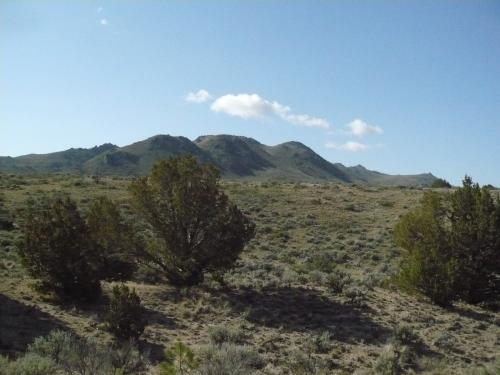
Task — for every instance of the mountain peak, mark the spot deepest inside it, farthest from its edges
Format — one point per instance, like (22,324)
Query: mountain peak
(236,157)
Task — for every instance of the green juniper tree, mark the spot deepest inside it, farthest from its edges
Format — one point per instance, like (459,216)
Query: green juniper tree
(115,238)
(57,249)
(196,228)
(452,245)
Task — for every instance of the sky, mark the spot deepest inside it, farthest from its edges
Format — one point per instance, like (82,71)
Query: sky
(401,87)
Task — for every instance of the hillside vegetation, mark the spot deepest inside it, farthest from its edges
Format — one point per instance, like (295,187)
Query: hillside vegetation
(311,293)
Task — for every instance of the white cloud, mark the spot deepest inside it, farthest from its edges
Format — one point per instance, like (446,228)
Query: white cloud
(248,106)
(104,21)
(200,96)
(360,128)
(349,146)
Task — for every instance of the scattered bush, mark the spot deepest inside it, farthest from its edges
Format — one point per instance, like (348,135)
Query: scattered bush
(300,363)
(5,221)
(179,360)
(338,280)
(441,183)
(57,249)
(319,343)
(196,226)
(222,334)
(388,362)
(125,314)
(114,238)
(404,335)
(356,296)
(453,246)
(30,364)
(63,353)
(229,359)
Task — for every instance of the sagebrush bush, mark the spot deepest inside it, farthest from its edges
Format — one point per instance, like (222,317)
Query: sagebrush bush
(229,359)
(319,343)
(77,356)
(404,335)
(300,363)
(338,281)
(125,314)
(387,362)
(222,334)
(29,364)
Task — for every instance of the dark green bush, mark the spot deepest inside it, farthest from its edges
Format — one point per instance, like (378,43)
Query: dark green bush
(125,314)
(452,246)
(196,228)
(179,360)
(57,249)
(114,237)
(441,183)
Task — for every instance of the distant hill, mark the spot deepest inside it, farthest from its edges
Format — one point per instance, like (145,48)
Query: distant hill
(237,157)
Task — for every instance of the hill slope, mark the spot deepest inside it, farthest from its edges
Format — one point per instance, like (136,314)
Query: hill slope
(237,157)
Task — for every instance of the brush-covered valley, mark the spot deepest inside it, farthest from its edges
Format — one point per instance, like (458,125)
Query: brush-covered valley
(312,292)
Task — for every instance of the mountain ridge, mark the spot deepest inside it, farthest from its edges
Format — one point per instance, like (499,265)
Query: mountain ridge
(237,157)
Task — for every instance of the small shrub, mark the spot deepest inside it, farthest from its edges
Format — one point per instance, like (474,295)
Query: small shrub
(56,346)
(446,342)
(125,315)
(319,343)
(300,363)
(77,356)
(179,360)
(317,277)
(404,335)
(229,359)
(338,281)
(222,334)
(388,362)
(32,364)
(356,296)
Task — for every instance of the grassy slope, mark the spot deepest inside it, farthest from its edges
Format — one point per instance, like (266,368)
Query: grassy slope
(273,296)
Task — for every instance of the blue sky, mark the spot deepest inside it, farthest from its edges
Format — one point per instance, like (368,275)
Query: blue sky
(397,86)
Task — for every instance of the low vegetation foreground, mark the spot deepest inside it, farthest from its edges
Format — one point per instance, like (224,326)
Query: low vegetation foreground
(179,273)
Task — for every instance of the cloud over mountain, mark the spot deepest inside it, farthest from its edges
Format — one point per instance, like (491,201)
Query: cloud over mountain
(253,106)
(360,128)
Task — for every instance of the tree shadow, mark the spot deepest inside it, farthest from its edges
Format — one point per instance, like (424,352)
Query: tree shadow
(306,310)
(20,324)
(474,315)
(157,317)
(156,352)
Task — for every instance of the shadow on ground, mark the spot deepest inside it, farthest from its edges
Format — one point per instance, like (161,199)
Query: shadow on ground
(20,324)
(302,310)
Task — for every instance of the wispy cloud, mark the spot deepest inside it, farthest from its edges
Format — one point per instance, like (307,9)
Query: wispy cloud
(100,9)
(359,128)
(200,96)
(104,22)
(351,146)
(253,106)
